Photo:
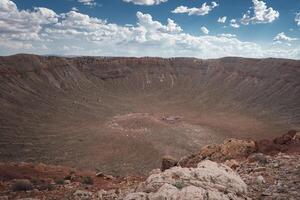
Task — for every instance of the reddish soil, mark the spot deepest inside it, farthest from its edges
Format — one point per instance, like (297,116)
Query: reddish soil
(45,178)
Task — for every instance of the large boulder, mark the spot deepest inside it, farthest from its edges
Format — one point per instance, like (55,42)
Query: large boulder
(268,146)
(229,149)
(168,162)
(286,138)
(234,148)
(209,180)
(288,142)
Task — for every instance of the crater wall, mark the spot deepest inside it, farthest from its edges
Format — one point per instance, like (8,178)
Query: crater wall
(120,115)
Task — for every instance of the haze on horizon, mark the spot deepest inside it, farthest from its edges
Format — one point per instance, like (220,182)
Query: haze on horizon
(164,28)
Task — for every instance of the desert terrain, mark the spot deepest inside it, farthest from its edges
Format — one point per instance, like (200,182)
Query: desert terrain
(121,115)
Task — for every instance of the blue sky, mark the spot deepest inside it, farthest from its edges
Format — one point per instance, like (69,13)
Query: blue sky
(168,28)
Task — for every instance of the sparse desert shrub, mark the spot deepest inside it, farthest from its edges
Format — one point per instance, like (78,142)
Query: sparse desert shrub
(22,185)
(42,184)
(46,186)
(35,181)
(59,181)
(179,185)
(87,180)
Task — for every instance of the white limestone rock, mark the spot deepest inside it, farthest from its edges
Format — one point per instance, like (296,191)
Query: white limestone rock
(209,180)
(137,196)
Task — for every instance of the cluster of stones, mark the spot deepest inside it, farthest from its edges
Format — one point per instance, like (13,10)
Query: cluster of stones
(272,177)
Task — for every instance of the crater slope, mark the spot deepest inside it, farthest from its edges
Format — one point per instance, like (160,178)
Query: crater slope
(120,115)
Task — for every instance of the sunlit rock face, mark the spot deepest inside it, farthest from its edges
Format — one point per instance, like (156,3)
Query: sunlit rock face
(121,115)
(209,180)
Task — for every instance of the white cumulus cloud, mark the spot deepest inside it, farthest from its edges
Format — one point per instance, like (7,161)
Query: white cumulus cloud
(203,10)
(43,31)
(23,26)
(234,23)
(297,19)
(88,2)
(146,2)
(204,30)
(227,35)
(146,21)
(282,37)
(222,19)
(261,14)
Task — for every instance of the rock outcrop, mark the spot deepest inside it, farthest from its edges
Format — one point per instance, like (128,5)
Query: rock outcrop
(272,177)
(168,162)
(229,149)
(288,142)
(209,180)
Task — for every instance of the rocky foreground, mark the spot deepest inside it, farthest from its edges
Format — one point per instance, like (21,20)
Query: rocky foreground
(233,170)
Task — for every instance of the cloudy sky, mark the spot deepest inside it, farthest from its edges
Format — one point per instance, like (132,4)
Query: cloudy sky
(166,28)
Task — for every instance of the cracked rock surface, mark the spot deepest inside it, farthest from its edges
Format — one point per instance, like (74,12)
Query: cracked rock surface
(209,180)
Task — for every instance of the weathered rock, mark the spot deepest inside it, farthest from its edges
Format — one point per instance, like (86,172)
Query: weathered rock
(164,192)
(190,160)
(107,195)
(170,192)
(154,171)
(259,169)
(289,142)
(210,150)
(258,157)
(208,179)
(137,196)
(229,149)
(105,176)
(233,164)
(276,179)
(234,148)
(82,195)
(260,179)
(297,136)
(267,147)
(168,162)
(191,192)
(286,138)
(100,174)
